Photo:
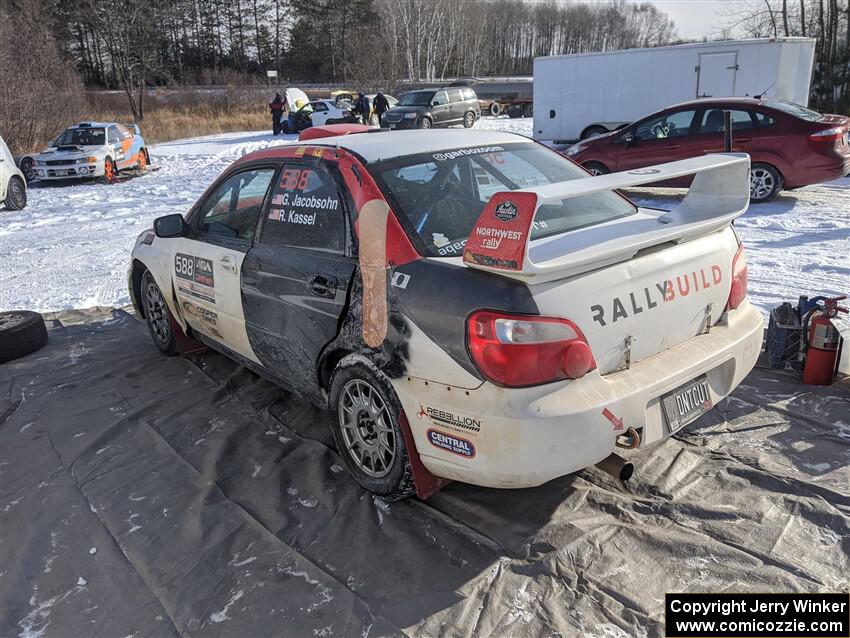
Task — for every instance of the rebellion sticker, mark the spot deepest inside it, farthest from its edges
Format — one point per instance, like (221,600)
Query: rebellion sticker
(195,276)
(449,420)
(453,444)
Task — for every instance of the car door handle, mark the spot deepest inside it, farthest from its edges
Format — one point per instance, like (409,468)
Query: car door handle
(227,263)
(323,286)
(741,139)
(673,147)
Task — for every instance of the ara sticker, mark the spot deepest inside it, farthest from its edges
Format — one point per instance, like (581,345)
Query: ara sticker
(195,276)
(453,444)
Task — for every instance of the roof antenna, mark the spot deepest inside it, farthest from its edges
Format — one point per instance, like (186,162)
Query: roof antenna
(759,96)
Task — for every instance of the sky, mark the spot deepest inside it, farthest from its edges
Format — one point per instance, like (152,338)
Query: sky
(697,18)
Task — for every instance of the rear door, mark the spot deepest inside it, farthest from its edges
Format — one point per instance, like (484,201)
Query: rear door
(709,136)
(717,73)
(296,277)
(456,105)
(207,265)
(657,139)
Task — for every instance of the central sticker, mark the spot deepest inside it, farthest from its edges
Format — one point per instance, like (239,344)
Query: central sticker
(450,443)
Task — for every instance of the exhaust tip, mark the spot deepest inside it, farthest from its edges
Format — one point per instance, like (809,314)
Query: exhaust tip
(617,466)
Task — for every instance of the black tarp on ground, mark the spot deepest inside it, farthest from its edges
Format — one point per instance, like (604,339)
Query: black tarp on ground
(150,496)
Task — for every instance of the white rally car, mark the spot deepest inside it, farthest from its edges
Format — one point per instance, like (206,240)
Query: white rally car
(13,184)
(92,150)
(469,305)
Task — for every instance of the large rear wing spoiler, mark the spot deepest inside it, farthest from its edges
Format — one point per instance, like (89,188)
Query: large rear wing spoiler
(500,240)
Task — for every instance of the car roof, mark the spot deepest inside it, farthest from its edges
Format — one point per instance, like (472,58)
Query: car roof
(718,101)
(93,124)
(384,145)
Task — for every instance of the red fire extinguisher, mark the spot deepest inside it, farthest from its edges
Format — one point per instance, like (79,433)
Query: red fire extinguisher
(821,340)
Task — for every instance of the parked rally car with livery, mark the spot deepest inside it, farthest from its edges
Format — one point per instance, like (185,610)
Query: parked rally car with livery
(92,149)
(469,305)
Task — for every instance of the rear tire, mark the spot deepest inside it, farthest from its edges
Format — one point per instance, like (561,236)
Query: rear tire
(374,120)
(468,119)
(765,182)
(366,429)
(528,110)
(143,160)
(16,194)
(157,315)
(596,168)
(27,169)
(593,131)
(21,332)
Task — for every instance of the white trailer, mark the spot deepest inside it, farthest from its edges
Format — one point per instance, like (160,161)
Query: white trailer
(576,96)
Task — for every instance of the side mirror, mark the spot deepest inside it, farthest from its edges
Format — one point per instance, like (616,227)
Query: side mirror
(170,226)
(630,140)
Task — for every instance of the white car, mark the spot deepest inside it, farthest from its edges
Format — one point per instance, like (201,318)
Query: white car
(92,150)
(13,184)
(468,305)
(329,112)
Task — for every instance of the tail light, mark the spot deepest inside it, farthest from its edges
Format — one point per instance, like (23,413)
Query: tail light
(738,292)
(519,350)
(835,134)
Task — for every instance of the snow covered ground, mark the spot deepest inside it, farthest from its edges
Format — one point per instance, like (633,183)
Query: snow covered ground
(70,247)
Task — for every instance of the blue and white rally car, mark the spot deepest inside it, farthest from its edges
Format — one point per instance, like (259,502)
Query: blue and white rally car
(92,149)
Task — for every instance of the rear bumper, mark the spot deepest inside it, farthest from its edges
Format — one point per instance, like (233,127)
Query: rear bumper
(513,438)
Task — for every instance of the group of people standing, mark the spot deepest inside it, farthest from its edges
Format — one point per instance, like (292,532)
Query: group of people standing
(361,107)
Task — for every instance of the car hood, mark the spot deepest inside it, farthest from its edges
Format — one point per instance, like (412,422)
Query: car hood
(69,152)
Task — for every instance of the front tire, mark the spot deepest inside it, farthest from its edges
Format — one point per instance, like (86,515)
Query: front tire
(365,424)
(425,122)
(528,110)
(765,182)
(16,194)
(110,171)
(596,168)
(27,169)
(495,109)
(593,131)
(157,315)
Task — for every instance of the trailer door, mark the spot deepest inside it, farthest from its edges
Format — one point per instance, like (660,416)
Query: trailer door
(716,75)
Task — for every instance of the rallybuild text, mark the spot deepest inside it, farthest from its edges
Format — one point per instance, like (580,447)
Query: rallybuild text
(757,615)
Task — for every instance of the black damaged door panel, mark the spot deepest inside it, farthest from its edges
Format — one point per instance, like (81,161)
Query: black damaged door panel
(295,279)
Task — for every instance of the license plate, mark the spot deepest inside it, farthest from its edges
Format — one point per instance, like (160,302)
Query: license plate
(61,173)
(686,403)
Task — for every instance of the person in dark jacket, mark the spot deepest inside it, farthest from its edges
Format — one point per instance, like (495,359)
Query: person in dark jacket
(276,107)
(362,107)
(381,107)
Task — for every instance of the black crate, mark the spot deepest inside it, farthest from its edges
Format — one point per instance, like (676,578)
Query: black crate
(784,336)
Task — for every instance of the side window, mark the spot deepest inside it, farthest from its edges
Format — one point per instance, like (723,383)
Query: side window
(123,132)
(232,210)
(764,119)
(675,124)
(306,211)
(320,106)
(468,94)
(454,95)
(112,135)
(440,98)
(712,121)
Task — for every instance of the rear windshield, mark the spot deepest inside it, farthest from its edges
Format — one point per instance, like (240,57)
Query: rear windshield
(82,137)
(794,109)
(439,196)
(416,98)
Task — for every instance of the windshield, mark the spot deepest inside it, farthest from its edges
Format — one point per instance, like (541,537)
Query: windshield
(439,196)
(82,137)
(416,98)
(794,109)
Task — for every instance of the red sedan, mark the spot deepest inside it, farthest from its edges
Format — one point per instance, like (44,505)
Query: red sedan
(789,145)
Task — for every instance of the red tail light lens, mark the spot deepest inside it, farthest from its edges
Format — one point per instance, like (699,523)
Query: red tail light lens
(829,135)
(517,350)
(738,292)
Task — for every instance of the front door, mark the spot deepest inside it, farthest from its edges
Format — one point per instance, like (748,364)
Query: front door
(208,263)
(296,278)
(655,140)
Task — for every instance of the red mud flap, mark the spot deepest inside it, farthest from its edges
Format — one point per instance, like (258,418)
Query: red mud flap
(185,344)
(426,483)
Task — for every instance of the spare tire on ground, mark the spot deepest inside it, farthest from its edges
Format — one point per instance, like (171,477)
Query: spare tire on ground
(21,332)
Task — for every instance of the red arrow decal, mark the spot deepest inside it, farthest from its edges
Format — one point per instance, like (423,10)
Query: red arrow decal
(618,423)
